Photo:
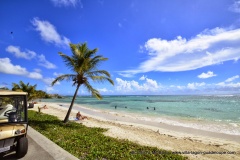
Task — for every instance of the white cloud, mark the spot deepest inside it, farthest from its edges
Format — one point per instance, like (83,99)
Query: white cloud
(195,85)
(20,54)
(126,74)
(49,89)
(232,78)
(7,67)
(143,78)
(48,81)
(234,85)
(43,62)
(67,3)
(235,7)
(221,84)
(150,84)
(29,55)
(133,87)
(229,86)
(57,74)
(181,87)
(49,34)
(228,83)
(35,75)
(103,90)
(207,48)
(207,75)
(123,85)
(37,70)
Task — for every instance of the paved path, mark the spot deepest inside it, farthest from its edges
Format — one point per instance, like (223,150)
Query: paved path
(40,148)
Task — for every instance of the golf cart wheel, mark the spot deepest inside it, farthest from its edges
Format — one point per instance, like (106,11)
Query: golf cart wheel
(22,147)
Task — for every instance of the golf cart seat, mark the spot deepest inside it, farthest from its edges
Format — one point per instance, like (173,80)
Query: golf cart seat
(4,109)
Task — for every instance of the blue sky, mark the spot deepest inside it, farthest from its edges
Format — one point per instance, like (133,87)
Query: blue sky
(154,46)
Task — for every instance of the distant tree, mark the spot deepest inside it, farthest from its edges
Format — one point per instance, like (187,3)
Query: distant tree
(83,63)
(41,94)
(4,88)
(22,87)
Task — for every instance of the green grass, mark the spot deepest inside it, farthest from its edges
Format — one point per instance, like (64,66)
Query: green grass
(90,143)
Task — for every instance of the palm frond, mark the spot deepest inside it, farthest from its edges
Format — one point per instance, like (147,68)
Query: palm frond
(82,48)
(74,49)
(15,86)
(90,53)
(102,79)
(68,60)
(23,85)
(98,72)
(94,92)
(30,89)
(95,61)
(67,77)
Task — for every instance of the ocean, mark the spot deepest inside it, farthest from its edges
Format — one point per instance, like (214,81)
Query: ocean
(216,113)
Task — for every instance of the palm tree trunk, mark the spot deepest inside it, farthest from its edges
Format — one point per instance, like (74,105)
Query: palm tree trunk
(70,108)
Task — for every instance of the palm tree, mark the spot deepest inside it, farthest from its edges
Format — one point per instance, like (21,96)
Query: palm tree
(83,63)
(4,88)
(41,94)
(22,87)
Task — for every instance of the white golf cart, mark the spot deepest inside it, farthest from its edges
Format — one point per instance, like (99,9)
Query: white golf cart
(13,122)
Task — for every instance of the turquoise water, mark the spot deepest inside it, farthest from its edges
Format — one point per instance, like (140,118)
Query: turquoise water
(219,112)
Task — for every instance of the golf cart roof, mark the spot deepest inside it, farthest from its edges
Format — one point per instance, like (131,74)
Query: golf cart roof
(8,92)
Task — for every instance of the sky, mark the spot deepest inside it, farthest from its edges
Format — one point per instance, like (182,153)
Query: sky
(154,47)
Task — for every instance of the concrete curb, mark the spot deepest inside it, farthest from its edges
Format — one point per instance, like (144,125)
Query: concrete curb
(54,150)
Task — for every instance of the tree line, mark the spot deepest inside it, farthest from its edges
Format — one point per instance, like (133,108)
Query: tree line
(30,89)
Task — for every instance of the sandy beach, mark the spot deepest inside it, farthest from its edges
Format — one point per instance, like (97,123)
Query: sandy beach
(193,143)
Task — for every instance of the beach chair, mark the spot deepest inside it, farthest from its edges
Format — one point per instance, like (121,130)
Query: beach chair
(31,105)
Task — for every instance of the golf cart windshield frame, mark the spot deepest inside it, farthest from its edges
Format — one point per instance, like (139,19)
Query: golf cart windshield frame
(14,112)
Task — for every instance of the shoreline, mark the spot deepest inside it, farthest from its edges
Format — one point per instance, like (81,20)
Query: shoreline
(207,118)
(119,117)
(163,136)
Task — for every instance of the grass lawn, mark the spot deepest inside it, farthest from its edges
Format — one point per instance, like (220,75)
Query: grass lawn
(90,143)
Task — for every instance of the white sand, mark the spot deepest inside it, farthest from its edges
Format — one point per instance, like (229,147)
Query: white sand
(163,136)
